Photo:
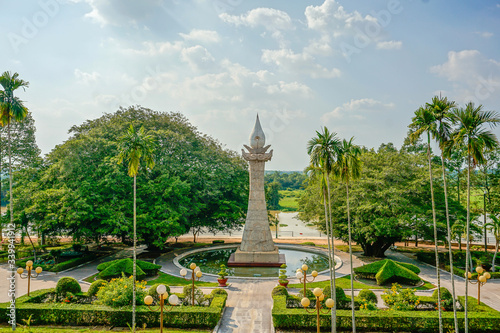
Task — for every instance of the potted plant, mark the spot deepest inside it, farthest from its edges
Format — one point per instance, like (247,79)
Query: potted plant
(222,276)
(283,281)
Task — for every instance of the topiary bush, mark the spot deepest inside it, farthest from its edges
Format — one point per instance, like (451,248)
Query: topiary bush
(309,293)
(68,284)
(368,295)
(94,287)
(199,297)
(385,271)
(115,268)
(342,300)
(279,290)
(446,298)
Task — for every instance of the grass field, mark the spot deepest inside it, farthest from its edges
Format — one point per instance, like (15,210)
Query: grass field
(289,200)
(168,280)
(345,283)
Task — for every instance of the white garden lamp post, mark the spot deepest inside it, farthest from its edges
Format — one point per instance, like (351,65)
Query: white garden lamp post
(29,275)
(302,276)
(195,275)
(162,293)
(482,278)
(318,293)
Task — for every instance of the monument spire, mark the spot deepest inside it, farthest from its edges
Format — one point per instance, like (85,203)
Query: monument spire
(257,247)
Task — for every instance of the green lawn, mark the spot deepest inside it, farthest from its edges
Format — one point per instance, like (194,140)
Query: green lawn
(34,329)
(345,283)
(168,280)
(289,202)
(171,280)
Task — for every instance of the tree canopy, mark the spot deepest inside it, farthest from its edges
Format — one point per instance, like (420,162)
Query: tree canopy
(81,190)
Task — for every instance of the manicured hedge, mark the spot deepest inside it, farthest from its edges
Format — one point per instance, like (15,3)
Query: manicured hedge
(385,320)
(385,271)
(97,315)
(114,269)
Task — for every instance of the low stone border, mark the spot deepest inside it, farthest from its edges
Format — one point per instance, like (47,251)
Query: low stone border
(282,246)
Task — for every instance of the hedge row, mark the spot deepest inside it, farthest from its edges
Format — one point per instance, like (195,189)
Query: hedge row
(96,315)
(481,319)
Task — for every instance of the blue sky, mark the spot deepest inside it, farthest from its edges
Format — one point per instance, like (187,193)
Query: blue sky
(361,68)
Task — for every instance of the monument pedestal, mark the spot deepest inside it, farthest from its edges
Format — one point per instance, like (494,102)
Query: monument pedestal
(256,259)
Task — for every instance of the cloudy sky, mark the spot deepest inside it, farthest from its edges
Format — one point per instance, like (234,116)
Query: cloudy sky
(361,68)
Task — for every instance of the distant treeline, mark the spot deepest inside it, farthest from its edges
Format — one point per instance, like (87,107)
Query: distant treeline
(289,180)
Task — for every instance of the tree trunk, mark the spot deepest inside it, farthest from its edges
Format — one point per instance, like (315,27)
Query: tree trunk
(353,319)
(435,234)
(331,254)
(467,240)
(448,229)
(494,256)
(135,256)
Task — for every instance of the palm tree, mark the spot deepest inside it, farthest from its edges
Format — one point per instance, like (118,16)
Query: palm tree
(12,109)
(134,147)
(425,121)
(347,168)
(494,227)
(322,151)
(440,108)
(471,133)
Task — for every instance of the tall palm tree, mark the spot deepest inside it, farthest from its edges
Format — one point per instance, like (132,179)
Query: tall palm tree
(11,109)
(470,131)
(347,168)
(425,122)
(134,147)
(322,151)
(441,108)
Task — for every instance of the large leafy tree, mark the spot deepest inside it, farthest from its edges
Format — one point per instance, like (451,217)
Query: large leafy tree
(424,121)
(391,195)
(194,181)
(136,146)
(348,168)
(471,132)
(323,150)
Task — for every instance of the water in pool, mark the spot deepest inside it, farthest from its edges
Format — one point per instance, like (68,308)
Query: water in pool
(210,261)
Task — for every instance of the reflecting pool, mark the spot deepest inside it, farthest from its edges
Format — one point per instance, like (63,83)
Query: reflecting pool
(210,260)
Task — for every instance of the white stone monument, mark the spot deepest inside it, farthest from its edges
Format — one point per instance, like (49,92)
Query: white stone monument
(257,247)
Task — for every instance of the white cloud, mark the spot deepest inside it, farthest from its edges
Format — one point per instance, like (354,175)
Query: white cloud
(271,19)
(207,36)
(197,57)
(86,78)
(484,34)
(389,45)
(330,17)
(474,76)
(121,12)
(356,108)
(300,63)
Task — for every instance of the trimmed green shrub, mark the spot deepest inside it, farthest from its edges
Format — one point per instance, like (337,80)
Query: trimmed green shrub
(400,299)
(385,271)
(68,284)
(279,290)
(71,263)
(114,269)
(342,299)
(445,293)
(218,241)
(218,291)
(309,293)
(308,244)
(94,287)
(368,295)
